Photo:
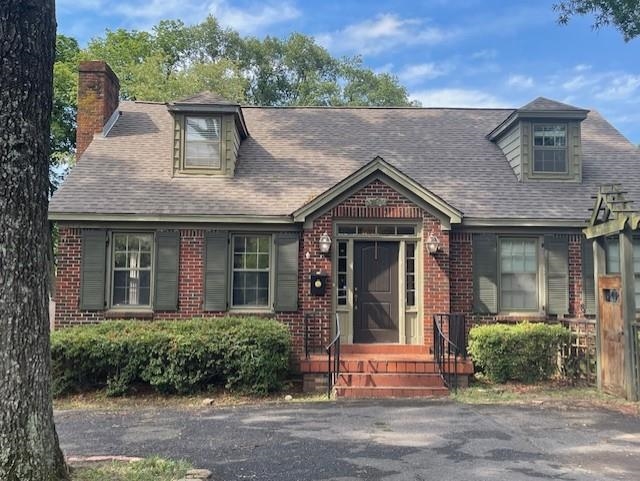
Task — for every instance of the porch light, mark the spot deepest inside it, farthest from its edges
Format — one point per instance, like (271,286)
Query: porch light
(324,243)
(433,244)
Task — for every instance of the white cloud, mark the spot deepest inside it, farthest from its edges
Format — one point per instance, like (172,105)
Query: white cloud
(457,97)
(520,81)
(577,83)
(155,10)
(422,71)
(253,18)
(384,32)
(582,67)
(620,88)
(486,54)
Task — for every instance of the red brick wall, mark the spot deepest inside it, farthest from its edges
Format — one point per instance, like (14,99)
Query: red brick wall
(576,302)
(98,92)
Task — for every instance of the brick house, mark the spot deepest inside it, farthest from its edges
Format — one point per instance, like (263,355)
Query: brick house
(384,216)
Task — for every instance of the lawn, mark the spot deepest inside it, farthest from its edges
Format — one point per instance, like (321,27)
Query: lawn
(151,469)
(550,394)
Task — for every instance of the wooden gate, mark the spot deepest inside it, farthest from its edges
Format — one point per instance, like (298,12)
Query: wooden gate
(611,334)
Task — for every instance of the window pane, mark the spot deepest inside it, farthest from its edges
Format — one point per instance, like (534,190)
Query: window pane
(406,229)
(132,262)
(549,148)
(387,229)
(251,262)
(202,142)
(366,229)
(613,255)
(519,278)
(346,229)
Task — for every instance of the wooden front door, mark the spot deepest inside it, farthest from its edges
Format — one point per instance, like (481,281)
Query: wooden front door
(611,334)
(376,304)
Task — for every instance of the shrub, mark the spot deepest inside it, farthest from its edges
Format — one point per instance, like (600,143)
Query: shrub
(243,354)
(523,352)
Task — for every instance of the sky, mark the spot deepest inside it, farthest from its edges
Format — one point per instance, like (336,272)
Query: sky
(451,53)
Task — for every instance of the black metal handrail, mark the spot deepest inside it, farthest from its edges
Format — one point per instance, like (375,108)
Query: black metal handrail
(333,357)
(444,349)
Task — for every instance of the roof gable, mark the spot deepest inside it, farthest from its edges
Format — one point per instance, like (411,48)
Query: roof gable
(543,103)
(377,166)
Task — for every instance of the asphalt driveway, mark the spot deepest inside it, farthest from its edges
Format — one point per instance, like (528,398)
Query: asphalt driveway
(390,440)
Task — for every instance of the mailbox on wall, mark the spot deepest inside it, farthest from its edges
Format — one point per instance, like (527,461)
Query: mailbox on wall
(318,284)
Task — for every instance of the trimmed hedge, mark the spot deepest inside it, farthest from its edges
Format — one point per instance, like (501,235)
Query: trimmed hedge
(525,352)
(249,355)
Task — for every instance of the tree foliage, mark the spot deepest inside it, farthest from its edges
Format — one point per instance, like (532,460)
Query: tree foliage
(174,60)
(622,14)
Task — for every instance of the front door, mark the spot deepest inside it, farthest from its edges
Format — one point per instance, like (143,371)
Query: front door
(611,334)
(375,295)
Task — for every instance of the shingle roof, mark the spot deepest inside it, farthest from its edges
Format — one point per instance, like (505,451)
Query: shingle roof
(294,154)
(545,104)
(206,98)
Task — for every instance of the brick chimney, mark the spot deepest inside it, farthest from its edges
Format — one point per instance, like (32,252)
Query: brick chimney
(98,98)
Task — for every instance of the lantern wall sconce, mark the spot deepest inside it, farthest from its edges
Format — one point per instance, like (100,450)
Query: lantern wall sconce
(433,244)
(324,243)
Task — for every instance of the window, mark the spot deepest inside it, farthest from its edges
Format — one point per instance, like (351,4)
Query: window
(342,273)
(132,268)
(550,149)
(410,268)
(613,261)
(202,143)
(381,229)
(518,274)
(251,270)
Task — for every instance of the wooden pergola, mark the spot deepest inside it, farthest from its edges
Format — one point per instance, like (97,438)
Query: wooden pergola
(614,215)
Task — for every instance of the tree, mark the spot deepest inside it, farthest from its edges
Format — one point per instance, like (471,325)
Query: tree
(622,14)
(29,449)
(176,60)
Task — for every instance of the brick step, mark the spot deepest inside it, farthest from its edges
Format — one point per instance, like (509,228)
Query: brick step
(389,380)
(382,364)
(389,392)
(387,366)
(383,349)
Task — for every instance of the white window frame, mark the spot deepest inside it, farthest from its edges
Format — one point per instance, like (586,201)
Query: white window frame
(271,274)
(112,271)
(540,277)
(535,147)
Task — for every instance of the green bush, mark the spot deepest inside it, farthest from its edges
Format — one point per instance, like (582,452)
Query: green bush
(243,354)
(525,352)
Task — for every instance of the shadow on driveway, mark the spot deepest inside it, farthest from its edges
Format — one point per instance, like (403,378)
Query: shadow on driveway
(373,440)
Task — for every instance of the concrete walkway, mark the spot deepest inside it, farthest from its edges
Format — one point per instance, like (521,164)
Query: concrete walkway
(383,440)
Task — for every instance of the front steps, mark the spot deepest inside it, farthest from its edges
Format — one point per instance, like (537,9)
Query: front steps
(382,371)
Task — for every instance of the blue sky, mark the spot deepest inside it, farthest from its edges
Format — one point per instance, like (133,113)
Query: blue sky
(476,53)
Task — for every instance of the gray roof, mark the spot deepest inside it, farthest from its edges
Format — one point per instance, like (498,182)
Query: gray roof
(294,154)
(205,98)
(545,104)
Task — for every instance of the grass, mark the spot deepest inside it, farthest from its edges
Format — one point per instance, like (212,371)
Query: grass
(152,469)
(551,394)
(95,400)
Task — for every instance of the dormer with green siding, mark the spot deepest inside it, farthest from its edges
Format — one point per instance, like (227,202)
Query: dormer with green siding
(207,133)
(542,141)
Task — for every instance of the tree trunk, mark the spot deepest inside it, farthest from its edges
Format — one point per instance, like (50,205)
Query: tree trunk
(29,448)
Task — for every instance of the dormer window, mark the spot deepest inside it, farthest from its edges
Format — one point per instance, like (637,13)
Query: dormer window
(207,133)
(550,148)
(202,143)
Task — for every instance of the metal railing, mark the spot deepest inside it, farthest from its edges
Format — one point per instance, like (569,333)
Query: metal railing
(445,351)
(333,359)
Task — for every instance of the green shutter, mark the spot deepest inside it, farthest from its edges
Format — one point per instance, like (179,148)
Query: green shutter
(557,254)
(588,281)
(216,271)
(93,270)
(485,273)
(286,295)
(167,261)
